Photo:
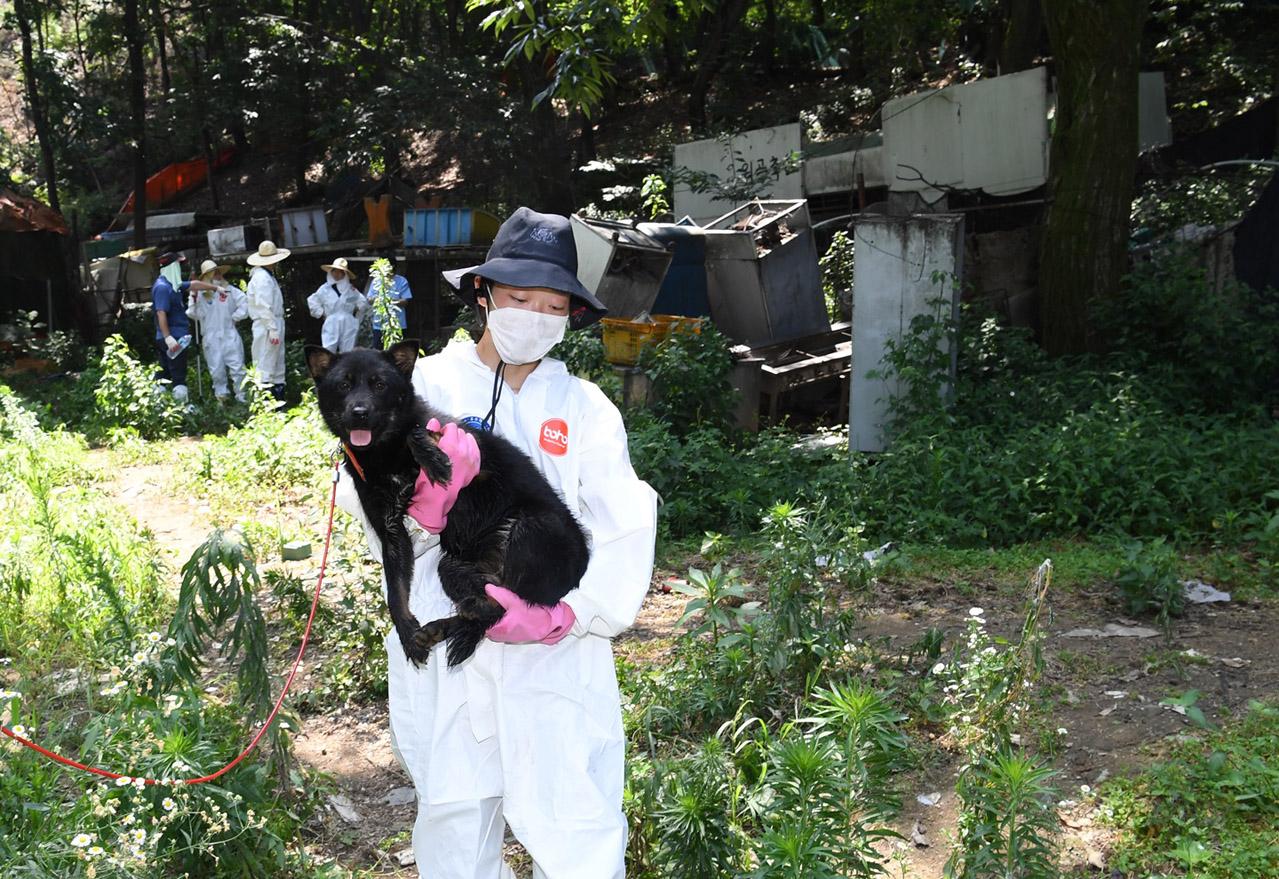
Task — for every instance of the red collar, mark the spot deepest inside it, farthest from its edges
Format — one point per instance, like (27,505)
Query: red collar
(350,456)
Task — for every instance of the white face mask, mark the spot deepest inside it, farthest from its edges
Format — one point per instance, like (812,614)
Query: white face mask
(173,273)
(522,336)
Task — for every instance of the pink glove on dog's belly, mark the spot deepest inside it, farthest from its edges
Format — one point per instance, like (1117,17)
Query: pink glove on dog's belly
(431,502)
(524,623)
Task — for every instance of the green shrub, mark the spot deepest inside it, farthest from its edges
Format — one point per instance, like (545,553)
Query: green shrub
(128,397)
(1148,582)
(1215,345)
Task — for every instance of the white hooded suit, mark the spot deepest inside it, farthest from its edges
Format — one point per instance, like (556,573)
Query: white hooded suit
(529,734)
(266,307)
(340,304)
(217,313)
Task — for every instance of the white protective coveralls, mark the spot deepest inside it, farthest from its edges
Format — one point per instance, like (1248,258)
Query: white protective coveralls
(527,733)
(340,304)
(266,307)
(217,313)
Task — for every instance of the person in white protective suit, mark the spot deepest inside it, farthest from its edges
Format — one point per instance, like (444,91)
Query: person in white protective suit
(528,731)
(340,305)
(216,313)
(266,308)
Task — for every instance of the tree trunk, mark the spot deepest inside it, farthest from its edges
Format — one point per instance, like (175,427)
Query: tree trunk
(550,154)
(767,50)
(138,112)
(710,56)
(672,50)
(39,116)
(1021,38)
(1084,249)
(162,52)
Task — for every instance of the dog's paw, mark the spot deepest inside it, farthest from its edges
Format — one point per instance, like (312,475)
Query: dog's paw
(418,650)
(433,632)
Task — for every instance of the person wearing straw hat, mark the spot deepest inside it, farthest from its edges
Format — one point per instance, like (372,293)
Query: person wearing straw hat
(528,731)
(266,308)
(216,312)
(340,304)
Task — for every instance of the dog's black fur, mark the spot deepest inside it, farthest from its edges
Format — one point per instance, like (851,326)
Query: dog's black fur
(509,526)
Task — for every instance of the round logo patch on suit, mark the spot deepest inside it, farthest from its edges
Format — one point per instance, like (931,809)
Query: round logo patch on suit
(474,422)
(554,437)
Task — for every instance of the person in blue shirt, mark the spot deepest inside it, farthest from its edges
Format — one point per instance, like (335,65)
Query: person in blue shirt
(172,328)
(399,292)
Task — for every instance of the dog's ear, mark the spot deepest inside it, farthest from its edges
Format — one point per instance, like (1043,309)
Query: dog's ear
(404,355)
(318,360)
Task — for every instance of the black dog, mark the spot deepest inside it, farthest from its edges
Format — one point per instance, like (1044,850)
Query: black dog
(509,526)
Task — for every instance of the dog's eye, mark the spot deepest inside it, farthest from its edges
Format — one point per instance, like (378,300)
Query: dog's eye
(344,385)
(378,384)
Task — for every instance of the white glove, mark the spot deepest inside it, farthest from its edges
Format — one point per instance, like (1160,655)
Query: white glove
(172,344)
(273,337)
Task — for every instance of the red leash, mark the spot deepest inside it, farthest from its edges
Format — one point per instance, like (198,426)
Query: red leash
(253,744)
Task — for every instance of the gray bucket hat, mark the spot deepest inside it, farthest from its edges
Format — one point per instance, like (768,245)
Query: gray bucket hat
(533,250)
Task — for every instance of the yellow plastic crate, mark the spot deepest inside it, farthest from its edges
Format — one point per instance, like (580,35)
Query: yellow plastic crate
(623,339)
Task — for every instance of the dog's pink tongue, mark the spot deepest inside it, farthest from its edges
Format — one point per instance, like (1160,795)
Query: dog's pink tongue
(361,437)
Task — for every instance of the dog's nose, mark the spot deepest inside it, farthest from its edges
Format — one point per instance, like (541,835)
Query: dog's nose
(360,413)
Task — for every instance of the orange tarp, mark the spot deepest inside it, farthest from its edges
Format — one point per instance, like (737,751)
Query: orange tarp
(177,179)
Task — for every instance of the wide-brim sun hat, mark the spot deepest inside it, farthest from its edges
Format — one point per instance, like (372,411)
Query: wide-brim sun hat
(533,249)
(341,266)
(268,254)
(210,266)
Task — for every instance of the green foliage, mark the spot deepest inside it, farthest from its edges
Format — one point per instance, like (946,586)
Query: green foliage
(219,586)
(92,680)
(384,308)
(70,575)
(696,833)
(690,373)
(128,399)
(1007,825)
(653,193)
(1210,806)
(1213,346)
(719,599)
(1165,205)
(837,276)
(1149,583)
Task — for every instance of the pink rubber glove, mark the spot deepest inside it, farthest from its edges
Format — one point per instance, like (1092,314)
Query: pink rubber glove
(524,622)
(431,502)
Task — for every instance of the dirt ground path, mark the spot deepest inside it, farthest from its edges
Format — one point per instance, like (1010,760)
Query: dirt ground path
(1105,677)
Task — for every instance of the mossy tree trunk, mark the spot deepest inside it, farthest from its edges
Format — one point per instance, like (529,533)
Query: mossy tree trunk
(1083,252)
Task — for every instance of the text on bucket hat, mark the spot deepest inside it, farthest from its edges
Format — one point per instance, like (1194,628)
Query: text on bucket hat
(268,254)
(210,266)
(341,266)
(532,249)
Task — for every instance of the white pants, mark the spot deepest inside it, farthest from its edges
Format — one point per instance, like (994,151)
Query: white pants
(268,359)
(507,739)
(225,355)
(338,332)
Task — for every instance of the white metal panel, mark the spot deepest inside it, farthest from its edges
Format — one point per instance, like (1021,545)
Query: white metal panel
(1003,124)
(838,172)
(1153,127)
(737,157)
(990,135)
(895,259)
(921,142)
